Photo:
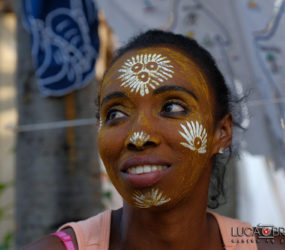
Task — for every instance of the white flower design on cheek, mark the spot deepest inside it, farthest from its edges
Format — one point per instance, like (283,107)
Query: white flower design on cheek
(139,138)
(144,71)
(196,137)
(153,198)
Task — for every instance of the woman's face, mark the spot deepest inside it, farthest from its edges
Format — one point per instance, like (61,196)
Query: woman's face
(157,126)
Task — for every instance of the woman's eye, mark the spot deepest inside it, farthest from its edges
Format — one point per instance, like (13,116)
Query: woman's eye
(114,115)
(173,108)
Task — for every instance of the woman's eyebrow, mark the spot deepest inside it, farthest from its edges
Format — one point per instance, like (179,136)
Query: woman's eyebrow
(175,88)
(113,95)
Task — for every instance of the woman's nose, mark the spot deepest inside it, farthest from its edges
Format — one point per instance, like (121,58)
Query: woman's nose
(141,140)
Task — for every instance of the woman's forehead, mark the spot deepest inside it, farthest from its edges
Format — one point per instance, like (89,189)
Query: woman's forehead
(142,70)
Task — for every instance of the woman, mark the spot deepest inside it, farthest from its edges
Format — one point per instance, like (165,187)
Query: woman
(164,118)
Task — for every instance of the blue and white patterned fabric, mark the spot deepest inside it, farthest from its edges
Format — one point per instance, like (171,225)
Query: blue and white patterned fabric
(65,43)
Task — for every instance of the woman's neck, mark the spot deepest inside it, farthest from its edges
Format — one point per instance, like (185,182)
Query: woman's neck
(171,229)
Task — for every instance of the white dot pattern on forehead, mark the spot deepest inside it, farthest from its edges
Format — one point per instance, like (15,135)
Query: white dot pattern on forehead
(152,198)
(145,71)
(195,136)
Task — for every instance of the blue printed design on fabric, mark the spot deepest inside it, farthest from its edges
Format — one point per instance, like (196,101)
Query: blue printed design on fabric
(65,43)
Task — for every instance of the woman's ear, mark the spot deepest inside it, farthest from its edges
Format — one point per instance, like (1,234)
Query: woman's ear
(223,134)
(98,124)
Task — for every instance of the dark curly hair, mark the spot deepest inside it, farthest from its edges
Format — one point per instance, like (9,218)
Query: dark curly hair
(216,82)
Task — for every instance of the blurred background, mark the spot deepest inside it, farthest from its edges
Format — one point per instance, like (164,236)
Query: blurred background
(53,55)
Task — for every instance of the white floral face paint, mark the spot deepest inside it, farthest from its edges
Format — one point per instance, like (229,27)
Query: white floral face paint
(144,71)
(195,135)
(153,198)
(139,138)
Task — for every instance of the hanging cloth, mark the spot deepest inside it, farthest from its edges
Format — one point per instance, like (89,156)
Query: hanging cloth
(65,43)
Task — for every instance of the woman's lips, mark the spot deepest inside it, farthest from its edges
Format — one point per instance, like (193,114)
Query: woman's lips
(143,171)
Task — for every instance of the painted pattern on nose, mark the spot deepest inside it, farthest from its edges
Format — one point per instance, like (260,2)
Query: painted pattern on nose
(139,138)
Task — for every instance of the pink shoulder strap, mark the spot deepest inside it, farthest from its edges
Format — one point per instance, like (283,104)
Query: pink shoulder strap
(227,227)
(93,233)
(66,239)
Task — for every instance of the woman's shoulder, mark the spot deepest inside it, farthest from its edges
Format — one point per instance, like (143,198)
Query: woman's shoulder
(52,242)
(93,230)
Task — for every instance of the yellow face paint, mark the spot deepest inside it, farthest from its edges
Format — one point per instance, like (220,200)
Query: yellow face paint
(178,115)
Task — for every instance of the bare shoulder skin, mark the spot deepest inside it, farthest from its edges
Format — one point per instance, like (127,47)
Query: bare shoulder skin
(52,242)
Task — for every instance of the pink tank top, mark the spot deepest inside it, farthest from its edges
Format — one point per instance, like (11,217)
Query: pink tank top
(94,233)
